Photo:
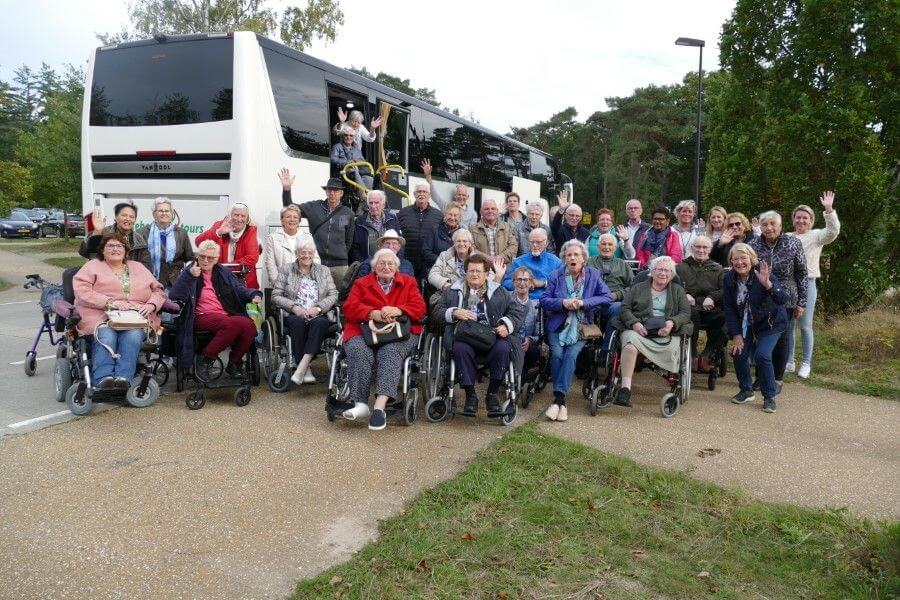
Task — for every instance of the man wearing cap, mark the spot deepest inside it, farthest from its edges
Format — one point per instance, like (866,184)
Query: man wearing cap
(330,223)
(416,220)
(392,241)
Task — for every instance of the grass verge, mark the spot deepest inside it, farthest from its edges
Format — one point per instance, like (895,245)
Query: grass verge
(859,353)
(65,262)
(536,516)
(41,245)
(4,285)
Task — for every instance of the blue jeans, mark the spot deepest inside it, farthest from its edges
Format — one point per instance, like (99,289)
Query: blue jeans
(761,349)
(562,362)
(126,343)
(806,323)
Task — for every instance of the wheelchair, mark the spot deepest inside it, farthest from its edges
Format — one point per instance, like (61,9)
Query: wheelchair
(718,363)
(442,404)
(338,397)
(72,382)
(603,389)
(276,355)
(218,378)
(533,381)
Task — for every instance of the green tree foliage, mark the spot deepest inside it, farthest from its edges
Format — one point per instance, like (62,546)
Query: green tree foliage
(296,26)
(15,185)
(811,103)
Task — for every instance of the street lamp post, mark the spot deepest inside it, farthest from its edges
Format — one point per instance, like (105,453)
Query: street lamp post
(683,41)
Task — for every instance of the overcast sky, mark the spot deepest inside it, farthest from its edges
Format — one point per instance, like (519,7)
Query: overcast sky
(506,63)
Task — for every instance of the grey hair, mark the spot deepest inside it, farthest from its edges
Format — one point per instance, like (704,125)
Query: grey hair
(376,193)
(460,233)
(356,114)
(577,244)
(385,252)
(536,205)
(489,201)
(347,130)
(422,185)
(701,237)
(663,261)
(304,243)
(208,245)
(770,214)
(607,235)
(573,207)
(291,208)
(161,200)
(538,230)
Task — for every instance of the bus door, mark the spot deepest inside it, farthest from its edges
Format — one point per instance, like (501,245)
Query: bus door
(347,100)
(392,154)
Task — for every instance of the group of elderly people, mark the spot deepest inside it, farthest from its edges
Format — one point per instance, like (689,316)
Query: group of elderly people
(494,271)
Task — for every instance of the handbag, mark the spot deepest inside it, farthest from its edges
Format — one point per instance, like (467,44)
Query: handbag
(653,325)
(478,335)
(379,334)
(122,320)
(589,331)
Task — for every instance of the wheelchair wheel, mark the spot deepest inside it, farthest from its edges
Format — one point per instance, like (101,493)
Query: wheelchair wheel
(527,394)
(723,363)
(669,405)
(594,400)
(436,409)
(30,363)
(278,381)
(78,399)
(216,369)
(242,395)
(510,414)
(433,373)
(411,406)
(179,377)
(151,393)
(254,371)
(267,349)
(160,371)
(195,400)
(711,381)
(62,376)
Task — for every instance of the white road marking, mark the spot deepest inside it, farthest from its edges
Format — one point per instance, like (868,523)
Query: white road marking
(27,422)
(19,302)
(22,362)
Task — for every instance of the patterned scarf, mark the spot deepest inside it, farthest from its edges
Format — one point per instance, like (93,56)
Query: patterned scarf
(575,289)
(154,244)
(654,241)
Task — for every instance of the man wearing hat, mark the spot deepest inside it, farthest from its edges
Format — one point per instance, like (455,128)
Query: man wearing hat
(330,223)
(392,241)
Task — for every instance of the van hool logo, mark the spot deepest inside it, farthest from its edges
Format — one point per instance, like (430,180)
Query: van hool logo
(156,167)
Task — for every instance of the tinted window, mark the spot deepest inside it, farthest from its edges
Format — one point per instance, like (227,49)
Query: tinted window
(163,84)
(395,138)
(441,145)
(302,105)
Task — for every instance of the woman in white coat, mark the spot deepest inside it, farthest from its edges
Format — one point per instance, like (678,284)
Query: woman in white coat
(281,246)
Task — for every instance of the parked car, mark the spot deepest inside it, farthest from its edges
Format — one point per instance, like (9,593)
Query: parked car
(58,223)
(18,224)
(74,225)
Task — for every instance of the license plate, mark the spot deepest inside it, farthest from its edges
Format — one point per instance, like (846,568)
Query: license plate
(24,231)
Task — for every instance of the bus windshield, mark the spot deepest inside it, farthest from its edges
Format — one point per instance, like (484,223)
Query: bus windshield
(172,83)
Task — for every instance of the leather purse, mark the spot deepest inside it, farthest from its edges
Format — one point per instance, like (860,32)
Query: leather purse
(478,335)
(589,331)
(653,325)
(378,334)
(122,320)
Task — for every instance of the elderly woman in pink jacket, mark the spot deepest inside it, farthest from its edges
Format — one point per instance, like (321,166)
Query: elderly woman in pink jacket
(111,282)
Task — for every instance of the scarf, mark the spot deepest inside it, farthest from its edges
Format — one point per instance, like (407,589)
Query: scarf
(655,241)
(154,245)
(475,301)
(575,289)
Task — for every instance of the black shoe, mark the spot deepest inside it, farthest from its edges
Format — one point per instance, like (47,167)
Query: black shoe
(471,407)
(756,386)
(623,398)
(202,367)
(338,408)
(492,403)
(378,420)
(234,370)
(107,383)
(122,384)
(769,405)
(742,397)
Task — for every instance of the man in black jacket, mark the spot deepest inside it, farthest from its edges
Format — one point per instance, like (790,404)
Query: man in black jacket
(416,220)
(330,223)
(440,238)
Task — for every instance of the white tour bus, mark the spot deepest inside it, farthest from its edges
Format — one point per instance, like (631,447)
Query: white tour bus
(209,119)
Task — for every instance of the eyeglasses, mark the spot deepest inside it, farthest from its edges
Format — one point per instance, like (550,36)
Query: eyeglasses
(475,271)
(205,257)
(115,246)
(522,280)
(537,242)
(735,224)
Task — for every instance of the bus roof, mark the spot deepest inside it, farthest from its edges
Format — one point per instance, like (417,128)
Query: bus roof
(405,99)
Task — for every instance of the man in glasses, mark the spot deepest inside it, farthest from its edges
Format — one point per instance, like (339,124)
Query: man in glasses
(415,220)
(538,261)
(635,226)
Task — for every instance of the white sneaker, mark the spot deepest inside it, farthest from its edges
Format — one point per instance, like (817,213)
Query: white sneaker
(360,411)
(297,377)
(563,414)
(790,367)
(803,373)
(552,411)
(308,377)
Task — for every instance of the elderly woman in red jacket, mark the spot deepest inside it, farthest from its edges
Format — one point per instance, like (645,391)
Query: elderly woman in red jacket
(382,296)
(237,240)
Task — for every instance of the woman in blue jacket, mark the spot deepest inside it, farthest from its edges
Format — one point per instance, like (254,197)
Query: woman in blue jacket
(755,317)
(573,295)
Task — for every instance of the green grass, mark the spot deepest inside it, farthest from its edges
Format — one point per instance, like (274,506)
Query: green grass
(41,245)
(535,516)
(859,353)
(4,285)
(65,261)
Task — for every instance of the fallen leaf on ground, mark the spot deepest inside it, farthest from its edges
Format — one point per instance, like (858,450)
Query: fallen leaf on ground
(423,526)
(501,595)
(422,565)
(637,553)
(468,536)
(704,452)
(502,450)
(703,574)
(335,580)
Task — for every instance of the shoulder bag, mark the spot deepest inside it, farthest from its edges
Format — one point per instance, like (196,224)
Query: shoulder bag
(378,334)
